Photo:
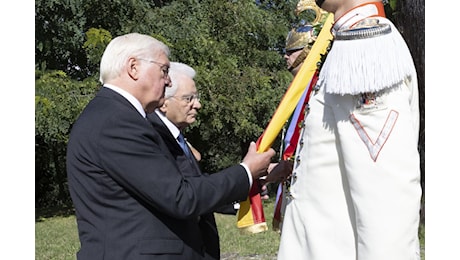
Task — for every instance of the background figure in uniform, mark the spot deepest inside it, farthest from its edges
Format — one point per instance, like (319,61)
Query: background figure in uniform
(179,110)
(355,186)
(298,43)
(131,199)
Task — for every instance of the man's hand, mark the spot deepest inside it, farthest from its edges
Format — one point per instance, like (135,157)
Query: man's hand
(258,162)
(278,172)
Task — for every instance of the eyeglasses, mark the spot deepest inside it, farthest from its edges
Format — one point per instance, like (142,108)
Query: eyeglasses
(164,68)
(189,98)
(290,52)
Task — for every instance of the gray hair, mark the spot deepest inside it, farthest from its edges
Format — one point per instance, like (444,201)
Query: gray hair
(176,71)
(125,46)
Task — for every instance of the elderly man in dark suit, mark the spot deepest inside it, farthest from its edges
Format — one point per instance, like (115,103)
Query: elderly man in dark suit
(179,110)
(131,199)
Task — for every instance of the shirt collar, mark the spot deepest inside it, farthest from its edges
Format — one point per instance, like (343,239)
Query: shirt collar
(129,97)
(172,128)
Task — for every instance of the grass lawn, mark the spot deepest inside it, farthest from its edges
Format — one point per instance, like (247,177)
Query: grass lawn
(234,241)
(56,237)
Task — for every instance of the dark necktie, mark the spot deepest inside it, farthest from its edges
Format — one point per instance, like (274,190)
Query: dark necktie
(184,145)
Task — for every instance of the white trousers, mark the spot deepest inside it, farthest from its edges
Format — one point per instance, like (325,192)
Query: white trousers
(356,190)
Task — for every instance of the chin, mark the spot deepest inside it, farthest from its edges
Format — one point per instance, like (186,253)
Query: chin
(191,120)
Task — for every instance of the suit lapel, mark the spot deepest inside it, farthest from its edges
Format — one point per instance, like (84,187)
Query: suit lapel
(188,167)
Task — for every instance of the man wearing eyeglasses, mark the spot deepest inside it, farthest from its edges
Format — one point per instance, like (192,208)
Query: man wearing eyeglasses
(179,110)
(181,102)
(131,198)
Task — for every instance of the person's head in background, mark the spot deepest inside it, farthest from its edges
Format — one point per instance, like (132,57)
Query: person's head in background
(182,100)
(138,64)
(302,36)
(298,44)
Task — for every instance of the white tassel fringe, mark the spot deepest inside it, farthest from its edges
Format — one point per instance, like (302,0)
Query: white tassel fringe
(366,65)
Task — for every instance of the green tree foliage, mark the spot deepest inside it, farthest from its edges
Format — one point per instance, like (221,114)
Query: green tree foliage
(60,28)
(96,41)
(58,102)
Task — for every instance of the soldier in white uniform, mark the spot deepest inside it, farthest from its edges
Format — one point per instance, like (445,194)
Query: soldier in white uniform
(355,187)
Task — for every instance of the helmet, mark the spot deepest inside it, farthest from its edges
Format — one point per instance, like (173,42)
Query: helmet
(303,35)
(299,37)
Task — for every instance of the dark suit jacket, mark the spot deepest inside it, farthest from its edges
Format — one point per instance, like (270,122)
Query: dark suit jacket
(190,167)
(130,197)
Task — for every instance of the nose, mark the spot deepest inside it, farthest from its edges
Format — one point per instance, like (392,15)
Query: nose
(196,104)
(168,81)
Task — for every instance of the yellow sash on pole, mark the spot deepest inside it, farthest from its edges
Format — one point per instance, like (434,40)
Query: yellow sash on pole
(295,90)
(250,218)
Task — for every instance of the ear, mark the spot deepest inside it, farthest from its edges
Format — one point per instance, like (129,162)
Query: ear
(133,68)
(164,107)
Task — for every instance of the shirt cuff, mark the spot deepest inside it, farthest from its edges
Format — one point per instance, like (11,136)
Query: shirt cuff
(249,174)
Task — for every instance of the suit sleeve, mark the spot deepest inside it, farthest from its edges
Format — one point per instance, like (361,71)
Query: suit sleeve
(136,157)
